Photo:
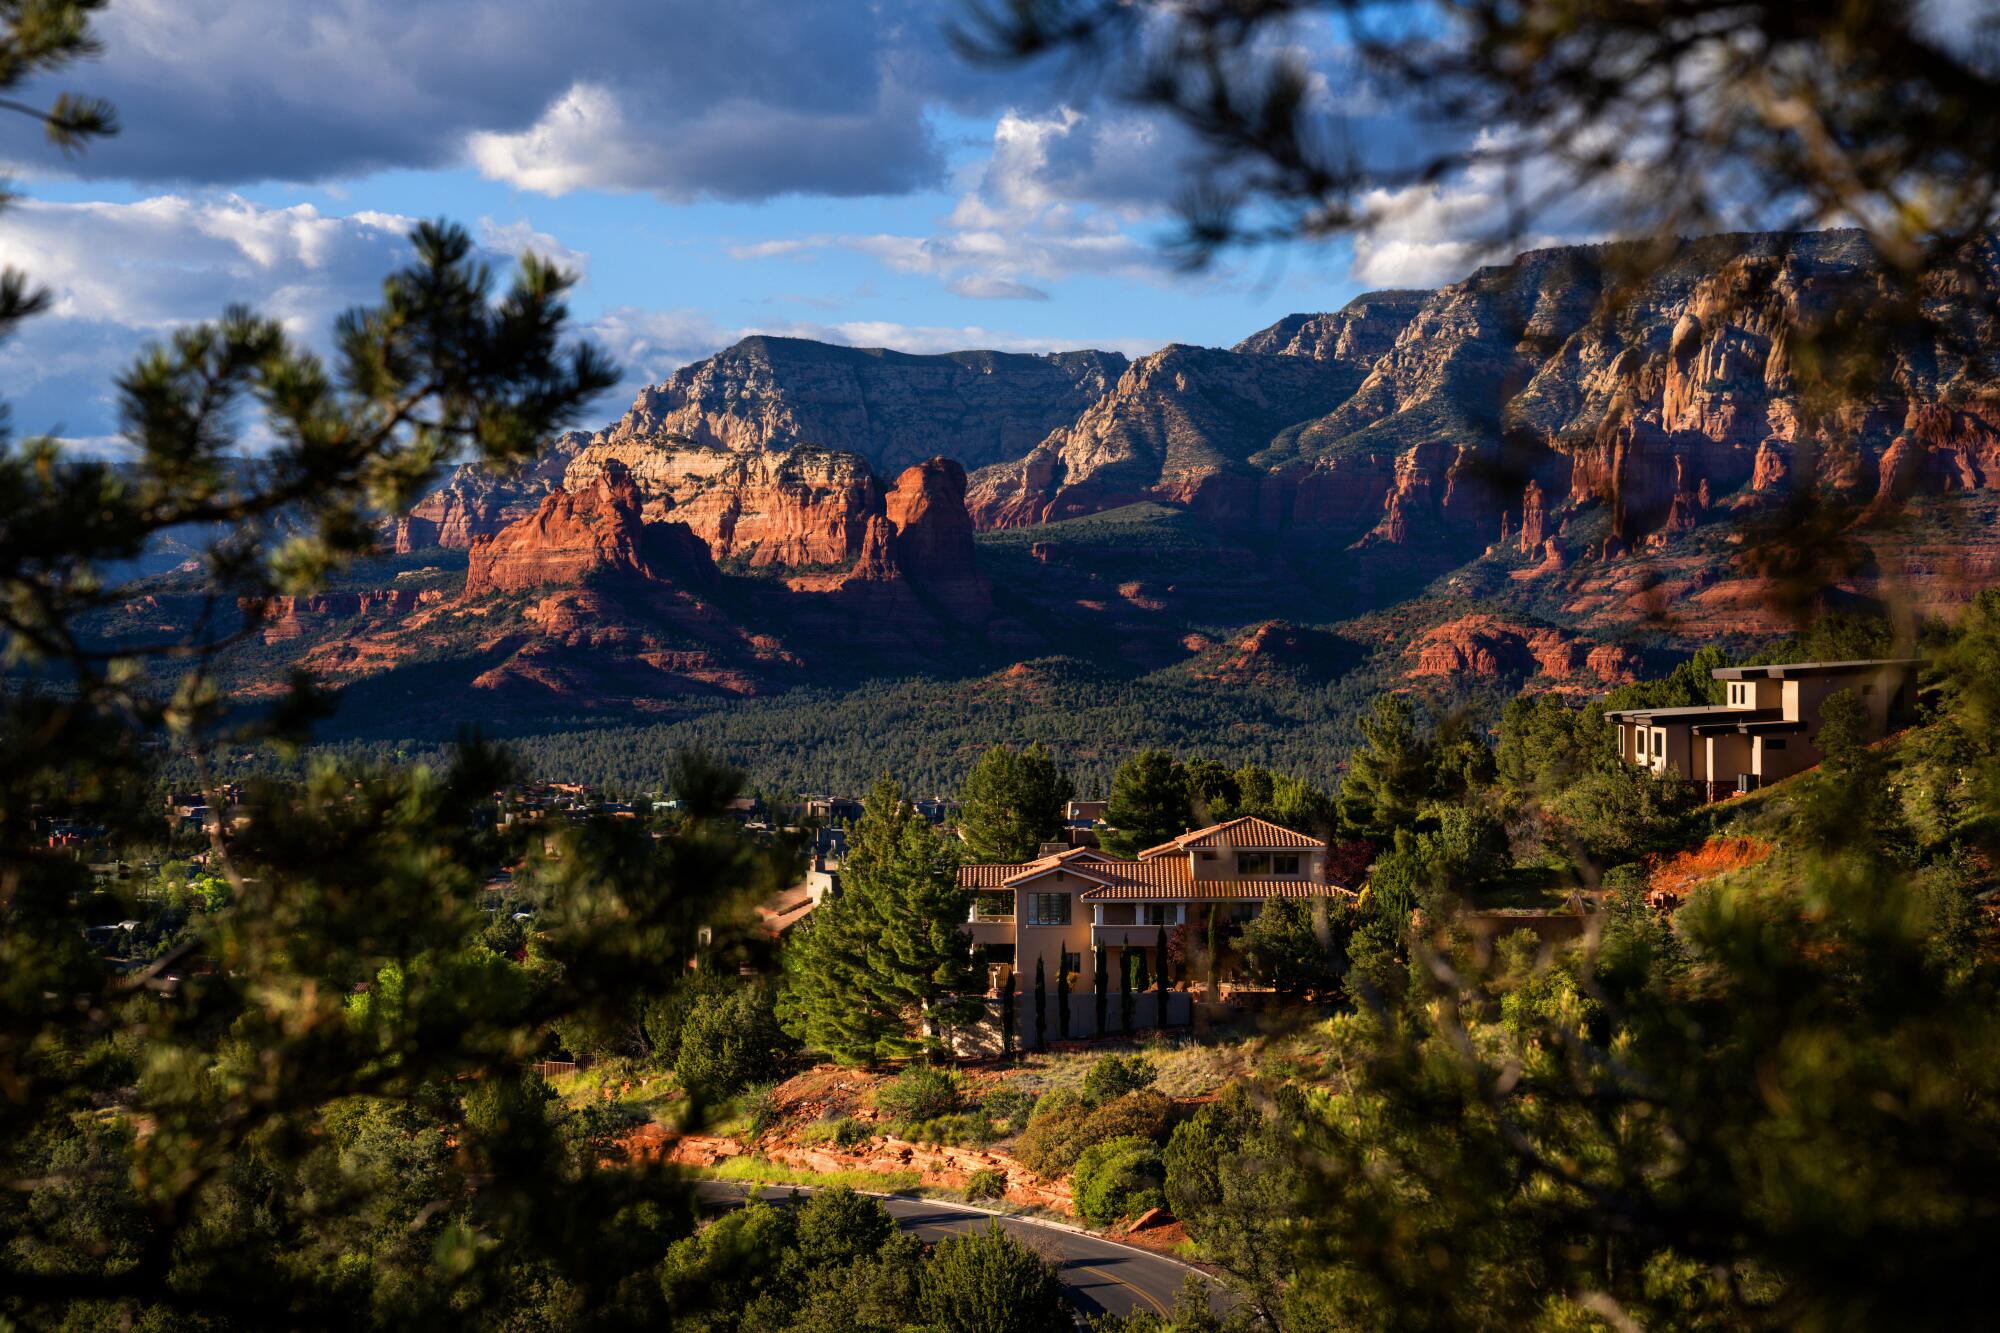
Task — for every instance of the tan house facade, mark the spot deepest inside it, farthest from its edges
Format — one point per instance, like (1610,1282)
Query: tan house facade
(1058,907)
(1767,728)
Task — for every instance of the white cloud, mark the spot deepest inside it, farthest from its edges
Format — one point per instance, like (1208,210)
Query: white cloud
(1059,196)
(121,274)
(748,100)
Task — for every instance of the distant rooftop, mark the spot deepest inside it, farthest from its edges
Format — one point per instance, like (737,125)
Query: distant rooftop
(1789,670)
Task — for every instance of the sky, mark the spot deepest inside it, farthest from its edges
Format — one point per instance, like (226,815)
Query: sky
(823,168)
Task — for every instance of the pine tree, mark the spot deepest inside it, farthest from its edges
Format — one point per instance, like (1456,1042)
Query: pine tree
(1041,1006)
(1062,1001)
(1390,774)
(1148,805)
(878,975)
(1012,803)
(1101,987)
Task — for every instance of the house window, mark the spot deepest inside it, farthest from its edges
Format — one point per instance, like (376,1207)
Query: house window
(1253,863)
(1000,955)
(1048,909)
(1659,745)
(1072,962)
(1774,745)
(1159,914)
(1285,864)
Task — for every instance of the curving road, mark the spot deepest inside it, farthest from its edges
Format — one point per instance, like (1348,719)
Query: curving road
(1101,1276)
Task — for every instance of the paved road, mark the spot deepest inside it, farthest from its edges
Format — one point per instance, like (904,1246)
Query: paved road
(1101,1276)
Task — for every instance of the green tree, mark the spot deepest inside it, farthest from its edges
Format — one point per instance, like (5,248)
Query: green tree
(1100,988)
(1160,980)
(1118,1178)
(1042,1006)
(1294,946)
(1012,803)
(1148,804)
(1232,1178)
(1062,1002)
(880,968)
(1389,776)
(1127,959)
(987,1282)
(728,1041)
(1008,1001)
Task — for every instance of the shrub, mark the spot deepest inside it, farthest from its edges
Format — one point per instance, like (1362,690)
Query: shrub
(1145,1114)
(919,1093)
(1113,1077)
(728,1037)
(1055,1139)
(1056,1101)
(1121,1177)
(1009,1109)
(954,1129)
(841,1131)
(837,1227)
(760,1111)
(986,1183)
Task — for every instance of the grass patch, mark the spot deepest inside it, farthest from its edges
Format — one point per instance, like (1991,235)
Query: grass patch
(762,1171)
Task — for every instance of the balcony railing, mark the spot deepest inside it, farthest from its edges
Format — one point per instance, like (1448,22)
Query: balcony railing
(978,918)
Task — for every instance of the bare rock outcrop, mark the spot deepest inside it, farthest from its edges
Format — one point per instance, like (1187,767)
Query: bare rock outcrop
(892,408)
(575,534)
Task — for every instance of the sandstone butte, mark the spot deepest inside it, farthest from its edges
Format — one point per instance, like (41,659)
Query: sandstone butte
(1612,461)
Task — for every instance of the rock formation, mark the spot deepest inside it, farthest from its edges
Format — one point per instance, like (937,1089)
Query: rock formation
(892,408)
(600,530)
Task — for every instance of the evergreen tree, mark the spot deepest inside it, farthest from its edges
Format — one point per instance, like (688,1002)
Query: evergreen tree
(877,970)
(1126,958)
(1214,961)
(1148,803)
(1062,1002)
(1012,803)
(1160,980)
(1041,1006)
(1142,978)
(1101,987)
(1389,775)
(1007,1002)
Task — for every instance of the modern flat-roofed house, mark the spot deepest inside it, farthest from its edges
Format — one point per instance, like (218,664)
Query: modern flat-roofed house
(1767,728)
(1058,906)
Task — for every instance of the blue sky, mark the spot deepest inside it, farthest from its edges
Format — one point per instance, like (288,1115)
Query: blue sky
(830,169)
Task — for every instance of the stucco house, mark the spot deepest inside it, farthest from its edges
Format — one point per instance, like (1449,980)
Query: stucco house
(1058,906)
(1767,728)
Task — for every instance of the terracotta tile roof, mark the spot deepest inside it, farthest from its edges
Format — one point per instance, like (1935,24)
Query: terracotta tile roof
(998,874)
(1248,833)
(1254,889)
(1163,878)
(991,875)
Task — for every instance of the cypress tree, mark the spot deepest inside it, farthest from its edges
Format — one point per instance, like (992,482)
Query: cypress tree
(1160,978)
(1007,1002)
(1142,980)
(1041,1006)
(1062,1001)
(1101,989)
(1212,963)
(1125,960)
